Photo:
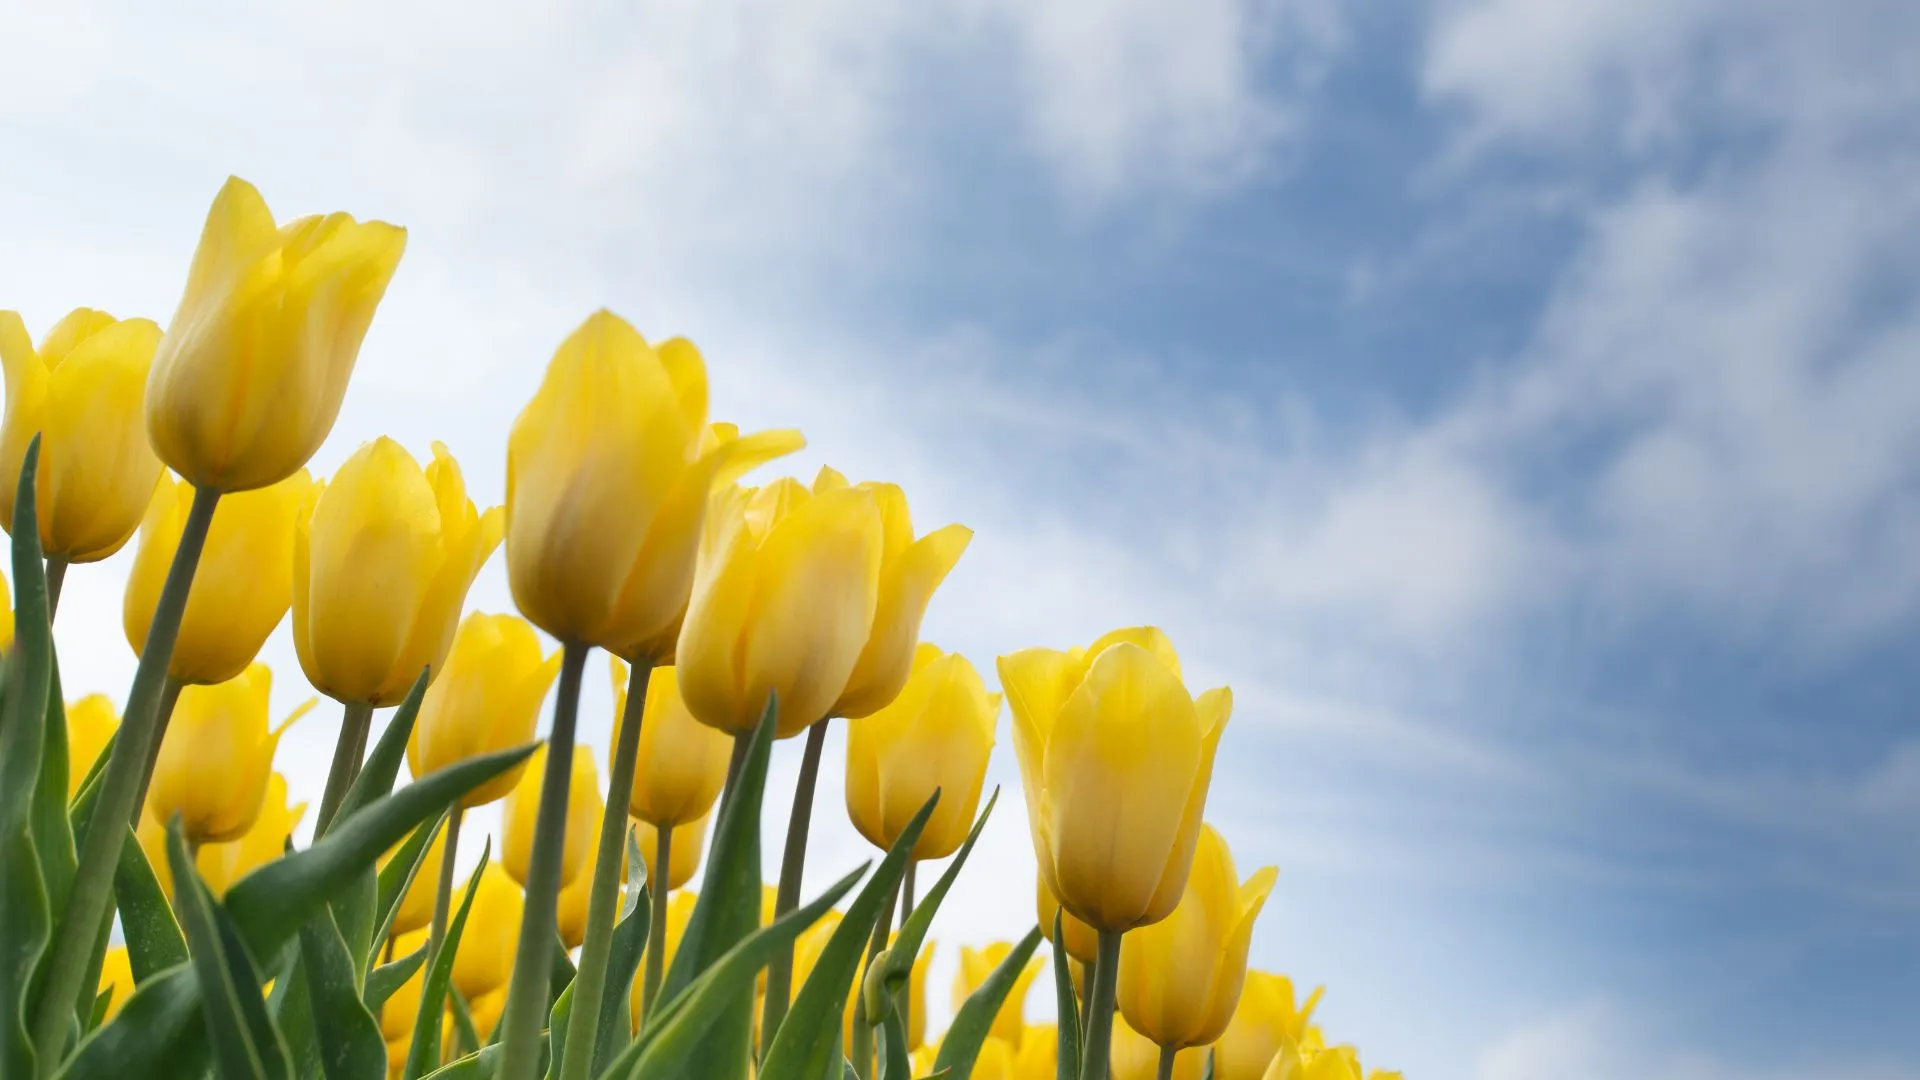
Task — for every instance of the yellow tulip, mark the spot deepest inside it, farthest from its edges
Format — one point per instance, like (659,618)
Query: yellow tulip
(910,570)
(1136,1057)
(244,582)
(487,698)
(486,1010)
(485,957)
(1083,943)
(381,567)
(995,1060)
(1038,1053)
(91,722)
(216,757)
(520,814)
(782,603)
(1264,1018)
(923,1058)
(976,965)
(937,734)
(82,393)
(609,468)
(684,861)
(403,1005)
(1297,1063)
(6,615)
(116,977)
(248,379)
(1116,758)
(570,908)
(416,906)
(679,913)
(1180,977)
(682,763)
(221,865)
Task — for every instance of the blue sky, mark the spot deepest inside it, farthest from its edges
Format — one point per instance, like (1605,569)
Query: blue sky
(1517,403)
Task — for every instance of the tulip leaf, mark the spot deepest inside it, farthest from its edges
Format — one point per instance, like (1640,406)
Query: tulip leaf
(894,1063)
(25,924)
(561,972)
(29,664)
(466,1038)
(905,950)
(80,809)
(629,943)
(397,877)
(478,1066)
(153,1030)
(974,1021)
(52,831)
(291,1004)
(1065,1003)
(387,978)
(270,904)
(376,777)
(146,919)
(348,1036)
(423,1053)
(559,1019)
(806,1037)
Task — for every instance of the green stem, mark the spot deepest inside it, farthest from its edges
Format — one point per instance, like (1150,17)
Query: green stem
(903,998)
(520,1040)
(1165,1072)
(657,933)
(742,741)
(169,697)
(1099,1026)
(862,1029)
(56,577)
(87,902)
(348,750)
(792,867)
(589,985)
(443,889)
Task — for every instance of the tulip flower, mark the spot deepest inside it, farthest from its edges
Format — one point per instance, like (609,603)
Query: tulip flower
(682,763)
(221,865)
(1265,1017)
(485,1011)
(1295,1063)
(485,957)
(6,615)
(679,913)
(570,910)
(609,469)
(402,1007)
(249,377)
(1116,758)
(1083,942)
(684,858)
(936,735)
(1136,1057)
(519,815)
(214,763)
(976,965)
(91,722)
(416,905)
(995,1060)
(782,603)
(82,393)
(244,581)
(381,567)
(116,979)
(487,698)
(1038,1054)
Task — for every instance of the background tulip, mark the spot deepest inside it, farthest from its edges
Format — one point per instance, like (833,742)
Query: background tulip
(1180,977)
(403,1005)
(936,735)
(1297,1063)
(244,581)
(1136,1057)
(214,763)
(116,975)
(91,721)
(82,392)
(1038,1053)
(223,864)
(1083,942)
(995,1060)
(485,957)
(416,906)
(6,615)
(520,814)
(249,377)
(682,763)
(679,913)
(684,860)
(381,567)
(608,472)
(976,965)
(782,604)
(570,910)
(1116,759)
(1265,1018)
(487,698)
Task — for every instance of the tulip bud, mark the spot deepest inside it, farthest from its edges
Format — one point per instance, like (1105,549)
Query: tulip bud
(244,581)
(609,469)
(1180,977)
(683,860)
(487,698)
(485,958)
(416,906)
(216,757)
(116,979)
(976,965)
(521,812)
(1083,942)
(1116,759)
(221,865)
(1136,1057)
(1265,1017)
(682,763)
(381,567)
(91,722)
(936,735)
(247,382)
(82,393)
(782,603)
(1038,1054)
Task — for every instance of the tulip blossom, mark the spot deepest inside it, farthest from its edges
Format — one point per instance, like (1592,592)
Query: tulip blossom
(936,735)
(1265,1018)
(214,763)
(976,965)
(91,722)
(487,698)
(520,814)
(681,763)
(416,905)
(485,958)
(220,865)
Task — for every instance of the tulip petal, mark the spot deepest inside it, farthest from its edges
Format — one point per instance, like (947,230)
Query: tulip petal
(710,637)
(687,371)
(1150,638)
(1211,709)
(1037,682)
(97,468)
(905,590)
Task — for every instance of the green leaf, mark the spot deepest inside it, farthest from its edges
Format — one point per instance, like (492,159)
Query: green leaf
(561,972)
(1066,1004)
(423,1054)
(1212,1054)
(559,1019)
(376,777)
(623,961)
(961,1044)
(25,924)
(894,1063)
(291,1005)
(101,1001)
(351,1047)
(245,1043)
(397,877)
(29,663)
(466,1038)
(52,831)
(149,1036)
(478,1066)
(153,937)
(387,978)
(353,916)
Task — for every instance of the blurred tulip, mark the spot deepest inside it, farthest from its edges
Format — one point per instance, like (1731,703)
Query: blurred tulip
(82,393)
(570,909)
(936,735)
(682,763)
(521,812)
(923,1059)
(116,976)
(679,913)
(416,906)
(995,1061)
(782,603)
(6,615)
(217,755)
(223,864)
(91,722)
(486,1010)
(1136,1057)
(1116,759)
(249,377)
(1083,942)
(485,957)
(976,965)
(1038,1053)
(608,472)
(487,698)
(244,581)
(1265,1017)
(684,860)
(381,567)
(403,1006)
(1295,1063)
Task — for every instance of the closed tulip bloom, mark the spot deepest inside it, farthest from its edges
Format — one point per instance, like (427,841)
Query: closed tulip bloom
(381,568)
(1265,1017)
(221,865)
(91,722)
(1038,1053)
(684,860)
(416,906)
(1136,1057)
(682,763)
(249,377)
(485,958)
(1297,1063)
(521,811)
(976,965)
(116,977)
(1116,759)
(216,757)
(487,698)
(609,469)
(82,393)
(782,603)
(242,587)
(936,735)
(1083,943)
(1180,978)
(995,1061)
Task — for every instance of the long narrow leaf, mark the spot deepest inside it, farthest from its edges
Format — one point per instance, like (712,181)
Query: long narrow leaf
(29,661)
(478,1066)
(239,1054)
(559,1018)
(150,1034)
(387,978)
(383,765)
(154,942)
(623,960)
(961,1045)
(894,1063)
(423,1054)
(348,1036)
(52,830)
(1066,1005)
(24,926)
(396,878)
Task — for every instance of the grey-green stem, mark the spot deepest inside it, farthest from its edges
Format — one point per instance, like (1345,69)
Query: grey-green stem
(348,750)
(793,864)
(56,577)
(1165,1072)
(1099,1026)
(657,933)
(169,697)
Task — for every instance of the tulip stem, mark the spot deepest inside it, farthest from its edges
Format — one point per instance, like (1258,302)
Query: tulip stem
(1165,1072)
(903,997)
(742,741)
(56,577)
(657,933)
(520,1026)
(862,1029)
(1099,1026)
(589,985)
(443,889)
(348,750)
(120,786)
(792,867)
(169,697)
